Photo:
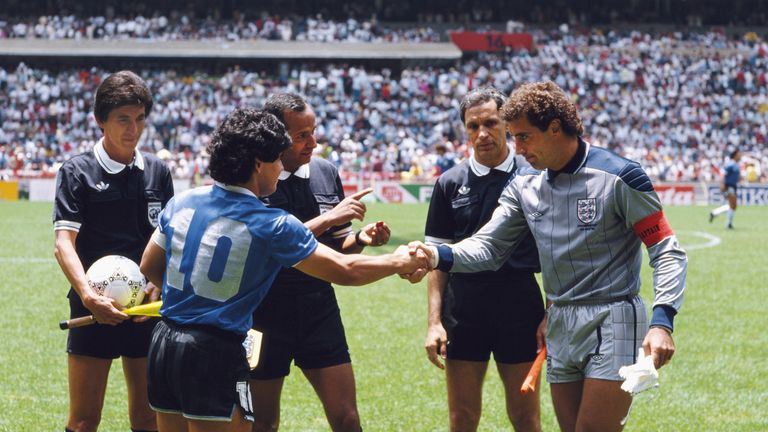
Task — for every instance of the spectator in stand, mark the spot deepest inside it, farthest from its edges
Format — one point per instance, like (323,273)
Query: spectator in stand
(681,106)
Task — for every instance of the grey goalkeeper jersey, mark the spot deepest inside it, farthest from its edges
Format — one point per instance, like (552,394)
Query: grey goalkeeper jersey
(588,221)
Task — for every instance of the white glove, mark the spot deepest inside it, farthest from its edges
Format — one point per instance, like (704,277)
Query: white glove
(640,376)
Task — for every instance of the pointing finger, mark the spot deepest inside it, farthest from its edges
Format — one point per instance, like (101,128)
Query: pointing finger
(359,194)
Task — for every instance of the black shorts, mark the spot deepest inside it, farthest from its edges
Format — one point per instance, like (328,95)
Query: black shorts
(127,339)
(306,328)
(493,316)
(199,372)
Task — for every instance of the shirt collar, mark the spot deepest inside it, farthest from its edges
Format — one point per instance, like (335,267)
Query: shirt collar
(576,162)
(301,172)
(112,166)
(481,170)
(235,189)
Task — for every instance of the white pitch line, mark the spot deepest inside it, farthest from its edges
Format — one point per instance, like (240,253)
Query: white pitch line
(25,260)
(712,240)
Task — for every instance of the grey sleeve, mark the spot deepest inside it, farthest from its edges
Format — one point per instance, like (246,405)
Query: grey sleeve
(492,245)
(670,266)
(642,211)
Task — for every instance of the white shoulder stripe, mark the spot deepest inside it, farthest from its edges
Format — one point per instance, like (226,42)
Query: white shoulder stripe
(437,240)
(67,226)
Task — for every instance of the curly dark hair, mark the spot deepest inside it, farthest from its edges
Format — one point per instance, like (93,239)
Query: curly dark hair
(542,102)
(480,96)
(278,103)
(243,137)
(121,89)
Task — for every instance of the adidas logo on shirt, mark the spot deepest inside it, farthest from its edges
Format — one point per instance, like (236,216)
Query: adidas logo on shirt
(101,186)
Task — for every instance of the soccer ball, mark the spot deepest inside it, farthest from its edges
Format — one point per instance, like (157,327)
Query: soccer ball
(118,278)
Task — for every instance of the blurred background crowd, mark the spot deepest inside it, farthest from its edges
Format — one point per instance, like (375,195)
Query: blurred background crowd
(677,101)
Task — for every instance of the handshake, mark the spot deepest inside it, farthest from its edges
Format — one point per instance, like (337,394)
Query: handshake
(418,259)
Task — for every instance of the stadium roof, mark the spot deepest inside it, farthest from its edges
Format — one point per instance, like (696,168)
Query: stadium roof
(257,49)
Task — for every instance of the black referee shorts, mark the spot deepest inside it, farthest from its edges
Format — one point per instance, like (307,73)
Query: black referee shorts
(497,316)
(199,372)
(306,328)
(127,339)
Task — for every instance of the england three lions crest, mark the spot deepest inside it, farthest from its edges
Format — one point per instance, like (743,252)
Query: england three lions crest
(153,211)
(586,210)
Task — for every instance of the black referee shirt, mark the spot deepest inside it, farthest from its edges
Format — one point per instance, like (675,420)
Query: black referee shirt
(463,201)
(113,207)
(307,193)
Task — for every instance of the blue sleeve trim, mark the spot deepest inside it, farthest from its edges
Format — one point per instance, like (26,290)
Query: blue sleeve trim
(445,256)
(663,316)
(636,178)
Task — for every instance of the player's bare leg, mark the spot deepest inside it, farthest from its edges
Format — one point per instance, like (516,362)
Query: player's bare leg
(141,416)
(566,398)
(731,209)
(266,404)
(167,422)
(87,387)
(238,424)
(603,405)
(522,409)
(335,386)
(465,393)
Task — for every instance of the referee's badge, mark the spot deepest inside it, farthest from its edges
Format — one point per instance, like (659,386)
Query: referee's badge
(586,209)
(324,208)
(153,211)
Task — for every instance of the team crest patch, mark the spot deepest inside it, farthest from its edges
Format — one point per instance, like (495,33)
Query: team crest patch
(153,211)
(586,210)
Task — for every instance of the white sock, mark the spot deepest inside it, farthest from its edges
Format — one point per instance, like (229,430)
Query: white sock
(729,216)
(720,210)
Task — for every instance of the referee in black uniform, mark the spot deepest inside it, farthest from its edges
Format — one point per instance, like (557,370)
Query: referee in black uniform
(474,315)
(107,203)
(299,317)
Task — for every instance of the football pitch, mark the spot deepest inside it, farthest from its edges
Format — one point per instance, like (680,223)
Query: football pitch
(716,382)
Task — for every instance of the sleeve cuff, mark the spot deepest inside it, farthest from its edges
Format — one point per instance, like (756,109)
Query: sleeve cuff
(158,238)
(663,316)
(445,258)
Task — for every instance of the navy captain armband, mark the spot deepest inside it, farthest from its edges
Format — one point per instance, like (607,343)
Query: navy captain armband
(445,258)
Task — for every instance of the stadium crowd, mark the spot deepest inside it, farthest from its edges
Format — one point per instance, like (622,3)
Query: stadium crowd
(181,27)
(653,98)
(318,28)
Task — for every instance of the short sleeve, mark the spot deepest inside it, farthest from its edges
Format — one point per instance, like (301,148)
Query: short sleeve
(68,204)
(168,186)
(292,241)
(439,227)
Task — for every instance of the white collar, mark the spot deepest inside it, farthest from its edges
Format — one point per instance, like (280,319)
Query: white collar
(481,170)
(112,166)
(235,189)
(301,172)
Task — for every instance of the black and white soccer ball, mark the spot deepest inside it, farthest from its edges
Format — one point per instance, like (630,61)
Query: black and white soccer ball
(119,278)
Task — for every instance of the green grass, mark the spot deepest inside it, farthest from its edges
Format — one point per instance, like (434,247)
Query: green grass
(715,383)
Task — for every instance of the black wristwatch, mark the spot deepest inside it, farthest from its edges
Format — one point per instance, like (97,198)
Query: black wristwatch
(357,239)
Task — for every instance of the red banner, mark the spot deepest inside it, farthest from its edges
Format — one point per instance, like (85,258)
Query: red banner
(676,194)
(491,41)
